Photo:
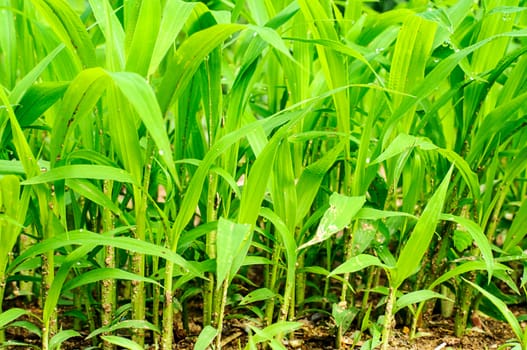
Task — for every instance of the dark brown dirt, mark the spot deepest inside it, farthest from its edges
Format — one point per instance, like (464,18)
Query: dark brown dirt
(437,335)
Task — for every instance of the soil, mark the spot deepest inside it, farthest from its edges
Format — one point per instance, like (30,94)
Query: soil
(315,334)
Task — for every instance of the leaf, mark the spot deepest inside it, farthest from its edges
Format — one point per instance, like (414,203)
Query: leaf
(61,337)
(270,332)
(358,263)
(140,95)
(462,240)
(122,342)
(205,338)
(464,268)
(127,324)
(169,28)
(81,171)
(10,315)
(343,316)
(478,237)
(417,297)
(403,143)
(105,273)
(232,237)
(257,295)
(342,209)
(413,251)
(188,58)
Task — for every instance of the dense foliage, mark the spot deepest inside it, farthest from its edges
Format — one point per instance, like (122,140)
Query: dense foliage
(263,159)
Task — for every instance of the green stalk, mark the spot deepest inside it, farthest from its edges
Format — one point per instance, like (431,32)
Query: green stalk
(168,317)
(270,303)
(210,299)
(138,259)
(108,289)
(388,319)
(221,313)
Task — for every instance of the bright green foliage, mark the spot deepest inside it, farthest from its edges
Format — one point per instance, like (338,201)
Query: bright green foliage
(160,153)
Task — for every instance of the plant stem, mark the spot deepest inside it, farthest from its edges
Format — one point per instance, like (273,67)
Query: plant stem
(223,302)
(388,319)
(109,289)
(167,332)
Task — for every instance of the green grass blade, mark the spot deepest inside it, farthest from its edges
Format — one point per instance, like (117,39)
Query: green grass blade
(417,297)
(122,342)
(139,53)
(81,171)
(413,251)
(70,30)
(100,274)
(357,263)
(169,28)
(205,338)
(142,98)
(10,315)
(188,58)
(342,209)
(127,324)
(233,238)
(59,338)
(479,238)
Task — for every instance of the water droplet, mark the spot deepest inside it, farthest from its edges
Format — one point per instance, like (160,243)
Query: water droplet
(506,17)
(161,152)
(436,60)
(446,43)
(379,49)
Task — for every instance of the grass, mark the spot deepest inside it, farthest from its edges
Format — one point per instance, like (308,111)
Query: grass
(370,160)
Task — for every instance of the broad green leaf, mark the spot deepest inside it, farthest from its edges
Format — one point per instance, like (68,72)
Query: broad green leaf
(342,209)
(464,268)
(280,327)
(83,237)
(413,251)
(479,238)
(169,29)
(89,190)
(127,324)
(81,171)
(142,98)
(104,273)
(10,315)
(113,33)
(343,316)
(270,36)
(122,342)
(311,178)
(416,297)
(56,341)
(28,326)
(358,263)
(403,143)
(68,27)
(78,103)
(37,99)
(205,338)
(188,58)
(233,238)
(257,295)
(412,50)
(139,52)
